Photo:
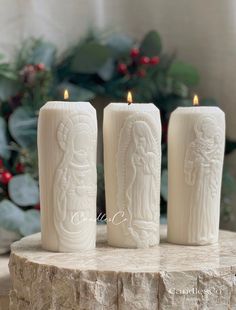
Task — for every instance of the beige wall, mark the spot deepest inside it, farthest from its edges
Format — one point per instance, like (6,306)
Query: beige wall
(203,33)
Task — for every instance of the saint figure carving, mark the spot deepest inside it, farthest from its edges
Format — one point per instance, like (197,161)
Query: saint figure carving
(140,158)
(202,167)
(74,187)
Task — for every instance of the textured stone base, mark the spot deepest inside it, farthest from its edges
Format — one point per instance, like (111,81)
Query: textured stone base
(164,277)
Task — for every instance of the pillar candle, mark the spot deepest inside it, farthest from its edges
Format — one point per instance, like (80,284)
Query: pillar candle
(67,141)
(196,139)
(132,162)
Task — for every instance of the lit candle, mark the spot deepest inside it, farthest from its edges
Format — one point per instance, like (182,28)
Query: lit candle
(132,162)
(67,146)
(196,140)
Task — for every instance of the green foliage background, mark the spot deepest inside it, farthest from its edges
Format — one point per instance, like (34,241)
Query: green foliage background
(87,70)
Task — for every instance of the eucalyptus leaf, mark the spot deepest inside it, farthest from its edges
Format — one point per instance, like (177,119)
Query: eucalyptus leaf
(119,44)
(107,70)
(228,183)
(31,223)
(230,146)
(90,57)
(23,127)
(208,102)
(180,89)
(8,88)
(4,151)
(8,74)
(164,185)
(23,190)
(151,44)
(11,217)
(185,73)
(76,93)
(45,53)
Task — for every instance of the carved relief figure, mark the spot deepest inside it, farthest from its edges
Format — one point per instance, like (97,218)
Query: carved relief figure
(74,185)
(140,157)
(202,167)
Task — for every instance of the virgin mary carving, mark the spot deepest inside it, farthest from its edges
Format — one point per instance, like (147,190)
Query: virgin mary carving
(139,159)
(202,167)
(74,186)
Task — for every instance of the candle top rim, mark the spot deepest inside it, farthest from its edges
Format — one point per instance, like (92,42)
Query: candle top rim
(124,106)
(67,105)
(198,109)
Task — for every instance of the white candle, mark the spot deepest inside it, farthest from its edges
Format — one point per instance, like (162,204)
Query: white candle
(196,140)
(67,146)
(132,162)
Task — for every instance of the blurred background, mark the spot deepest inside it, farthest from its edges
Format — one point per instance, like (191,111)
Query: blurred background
(165,51)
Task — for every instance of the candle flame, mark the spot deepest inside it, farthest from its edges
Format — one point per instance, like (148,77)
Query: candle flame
(66,94)
(195,100)
(129,98)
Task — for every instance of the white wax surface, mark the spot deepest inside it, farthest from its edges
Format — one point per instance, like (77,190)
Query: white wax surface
(196,139)
(67,141)
(132,159)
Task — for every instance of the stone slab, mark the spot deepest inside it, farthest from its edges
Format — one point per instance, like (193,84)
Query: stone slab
(163,277)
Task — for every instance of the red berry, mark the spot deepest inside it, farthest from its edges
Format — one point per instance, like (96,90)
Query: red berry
(37,207)
(29,68)
(141,73)
(40,67)
(122,68)
(154,60)
(5,177)
(28,74)
(144,60)
(134,52)
(20,168)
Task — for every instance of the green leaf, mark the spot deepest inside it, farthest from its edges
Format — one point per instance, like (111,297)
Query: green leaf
(31,223)
(164,185)
(208,102)
(107,70)
(23,127)
(45,53)
(4,151)
(8,88)
(230,146)
(11,217)
(7,73)
(76,93)
(151,44)
(1,56)
(119,43)
(23,190)
(185,73)
(180,89)
(90,57)
(228,183)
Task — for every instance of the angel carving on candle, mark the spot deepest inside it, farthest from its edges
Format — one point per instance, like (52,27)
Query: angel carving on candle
(201,167)
(74,188)
(141,201)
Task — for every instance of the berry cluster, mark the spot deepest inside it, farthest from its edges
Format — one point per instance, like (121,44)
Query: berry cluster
(28,73)
(137,64)
(6,175)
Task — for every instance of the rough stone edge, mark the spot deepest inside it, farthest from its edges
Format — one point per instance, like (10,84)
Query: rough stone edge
(96,281)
